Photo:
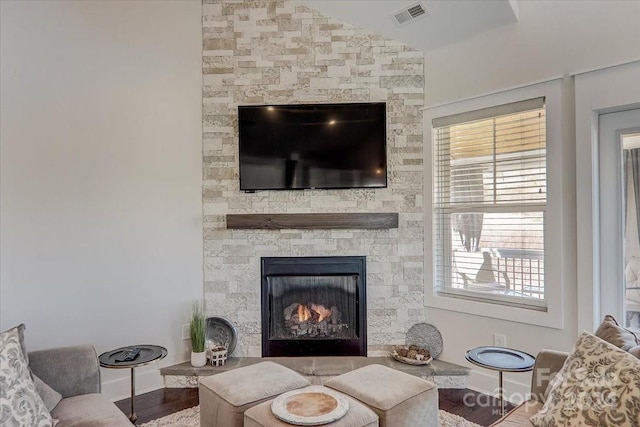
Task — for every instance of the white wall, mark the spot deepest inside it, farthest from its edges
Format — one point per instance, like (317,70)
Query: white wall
(551,39)
(101,213)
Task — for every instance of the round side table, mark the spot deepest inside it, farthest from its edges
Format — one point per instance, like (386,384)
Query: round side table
(501,359)
(148,354)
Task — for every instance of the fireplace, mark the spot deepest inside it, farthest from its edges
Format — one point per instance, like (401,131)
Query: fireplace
(314,306)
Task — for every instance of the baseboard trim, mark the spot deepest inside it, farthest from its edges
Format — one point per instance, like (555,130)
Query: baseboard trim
(120,388)
(486,382)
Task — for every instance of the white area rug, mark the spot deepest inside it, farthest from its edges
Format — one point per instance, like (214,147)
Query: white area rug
(191,418)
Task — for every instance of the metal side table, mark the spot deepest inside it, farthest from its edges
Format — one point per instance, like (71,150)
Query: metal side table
(148,354)
(501,359)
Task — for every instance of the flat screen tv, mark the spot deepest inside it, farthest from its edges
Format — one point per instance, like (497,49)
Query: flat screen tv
(304,146)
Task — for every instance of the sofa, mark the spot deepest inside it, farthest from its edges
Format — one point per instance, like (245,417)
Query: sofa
(74,372)
(597,383)
(58,386)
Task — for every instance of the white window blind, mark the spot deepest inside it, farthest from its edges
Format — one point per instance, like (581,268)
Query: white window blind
(489,204)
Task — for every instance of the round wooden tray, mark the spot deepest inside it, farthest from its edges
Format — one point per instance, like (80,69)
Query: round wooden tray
(399,358)
(310,406)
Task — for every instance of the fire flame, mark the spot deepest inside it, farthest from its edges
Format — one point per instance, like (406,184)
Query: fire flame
(322,311)
(304,313)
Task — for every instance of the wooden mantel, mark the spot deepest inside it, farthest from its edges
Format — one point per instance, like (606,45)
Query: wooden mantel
(376,221)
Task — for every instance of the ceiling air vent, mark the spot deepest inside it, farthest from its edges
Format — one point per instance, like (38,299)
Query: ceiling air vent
(409,14)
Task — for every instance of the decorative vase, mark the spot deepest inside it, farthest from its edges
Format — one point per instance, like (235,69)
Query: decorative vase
(198,359)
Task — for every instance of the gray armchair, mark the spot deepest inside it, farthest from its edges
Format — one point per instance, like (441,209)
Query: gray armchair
(548,363)
(74,372)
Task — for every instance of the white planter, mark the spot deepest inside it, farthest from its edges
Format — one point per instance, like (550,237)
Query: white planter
(198,360)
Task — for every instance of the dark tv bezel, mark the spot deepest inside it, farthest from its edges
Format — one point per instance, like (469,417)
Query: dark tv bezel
(386,157)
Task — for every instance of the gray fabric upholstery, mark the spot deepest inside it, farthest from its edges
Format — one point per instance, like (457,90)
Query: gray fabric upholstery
(74,373)
(70,371)
(49,396)
(357,416)
(224,397)
(399,399)
(548,364)
(519,417)
(89,410)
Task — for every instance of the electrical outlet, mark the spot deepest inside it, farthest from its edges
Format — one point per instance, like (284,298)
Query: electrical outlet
(499,340)
(186,332)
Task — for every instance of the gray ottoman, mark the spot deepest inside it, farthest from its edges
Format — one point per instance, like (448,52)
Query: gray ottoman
(357,416)
(399,399)
(224,397)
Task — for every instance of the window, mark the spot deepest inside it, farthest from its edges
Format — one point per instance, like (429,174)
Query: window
(489,204)
(631,231)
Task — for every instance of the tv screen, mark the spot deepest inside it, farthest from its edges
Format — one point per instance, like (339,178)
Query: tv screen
(289,147)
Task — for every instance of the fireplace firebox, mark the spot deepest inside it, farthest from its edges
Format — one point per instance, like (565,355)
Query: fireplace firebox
(314,306)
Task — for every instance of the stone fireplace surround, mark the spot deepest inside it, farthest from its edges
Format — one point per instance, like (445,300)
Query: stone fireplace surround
(278,52)
(319,369)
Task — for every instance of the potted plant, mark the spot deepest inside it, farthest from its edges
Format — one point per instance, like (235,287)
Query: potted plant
(196,329)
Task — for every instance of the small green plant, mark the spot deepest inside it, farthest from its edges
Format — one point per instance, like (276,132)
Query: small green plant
(196,327)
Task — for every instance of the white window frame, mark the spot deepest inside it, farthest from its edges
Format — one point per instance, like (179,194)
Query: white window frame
(553,241)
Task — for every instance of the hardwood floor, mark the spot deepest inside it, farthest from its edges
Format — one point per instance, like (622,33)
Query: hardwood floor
(160,403)
(471,405)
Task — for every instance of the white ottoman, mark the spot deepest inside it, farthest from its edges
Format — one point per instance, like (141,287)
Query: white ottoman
(357,416)
(399,399)
(226,396)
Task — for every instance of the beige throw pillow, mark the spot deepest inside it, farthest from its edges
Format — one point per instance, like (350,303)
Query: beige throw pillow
(599,385)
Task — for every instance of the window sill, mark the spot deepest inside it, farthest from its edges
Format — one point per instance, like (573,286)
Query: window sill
(551,318)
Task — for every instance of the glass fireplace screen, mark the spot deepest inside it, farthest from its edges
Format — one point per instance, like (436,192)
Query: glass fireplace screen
(313,307)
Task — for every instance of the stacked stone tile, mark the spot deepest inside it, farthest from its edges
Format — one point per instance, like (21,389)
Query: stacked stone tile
(278,52)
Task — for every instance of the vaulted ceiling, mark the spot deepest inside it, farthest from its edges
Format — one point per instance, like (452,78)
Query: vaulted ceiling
(444,22)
